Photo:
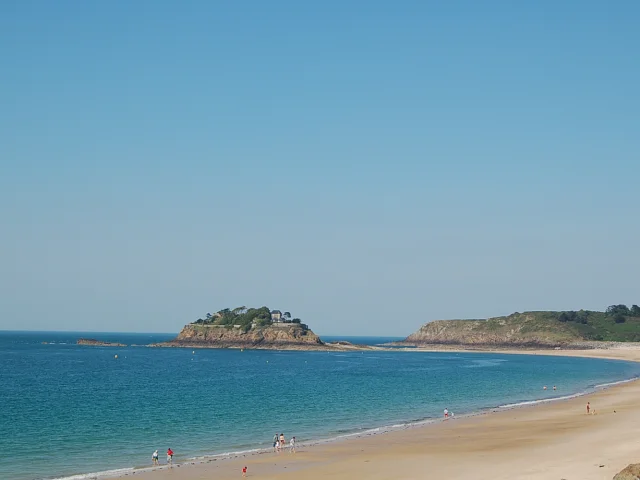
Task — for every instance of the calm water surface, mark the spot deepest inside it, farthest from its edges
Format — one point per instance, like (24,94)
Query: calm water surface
(69,409)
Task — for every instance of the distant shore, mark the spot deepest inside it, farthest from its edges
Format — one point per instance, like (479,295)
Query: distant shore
(577,349)
(554,440)
(629,351)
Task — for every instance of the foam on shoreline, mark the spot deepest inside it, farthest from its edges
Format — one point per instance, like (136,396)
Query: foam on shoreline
(116,473)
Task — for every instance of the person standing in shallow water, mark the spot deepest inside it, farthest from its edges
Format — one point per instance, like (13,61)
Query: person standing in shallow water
(282,441)
(169,456)
(276,443)
(154,457)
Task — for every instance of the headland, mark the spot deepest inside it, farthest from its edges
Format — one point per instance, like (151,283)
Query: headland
(577,330)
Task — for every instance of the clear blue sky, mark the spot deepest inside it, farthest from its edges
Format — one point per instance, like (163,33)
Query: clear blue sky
(368,166)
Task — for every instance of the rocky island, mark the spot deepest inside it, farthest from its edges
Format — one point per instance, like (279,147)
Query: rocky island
(566,329)
(97,343)
(243,327)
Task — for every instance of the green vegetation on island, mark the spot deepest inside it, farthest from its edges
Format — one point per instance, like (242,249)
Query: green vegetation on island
(248,318)
(244,327)
(618,323)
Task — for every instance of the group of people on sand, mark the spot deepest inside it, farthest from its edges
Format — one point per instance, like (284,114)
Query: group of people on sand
(155,460)
(279,443)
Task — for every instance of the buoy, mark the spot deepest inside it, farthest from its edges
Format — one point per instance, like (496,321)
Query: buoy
(544,388)
(193,353)
(115,356)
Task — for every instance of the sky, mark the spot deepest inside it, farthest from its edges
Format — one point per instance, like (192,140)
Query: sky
(368,166)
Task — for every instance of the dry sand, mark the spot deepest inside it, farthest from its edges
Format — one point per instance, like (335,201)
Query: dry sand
(553,441)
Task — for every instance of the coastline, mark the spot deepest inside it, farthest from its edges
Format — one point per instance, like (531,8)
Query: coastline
(340,457)
(629,352)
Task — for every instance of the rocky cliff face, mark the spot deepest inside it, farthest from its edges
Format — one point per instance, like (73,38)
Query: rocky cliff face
(291,336)
(518,330)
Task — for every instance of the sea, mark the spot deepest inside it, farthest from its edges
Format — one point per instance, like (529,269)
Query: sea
(70,411)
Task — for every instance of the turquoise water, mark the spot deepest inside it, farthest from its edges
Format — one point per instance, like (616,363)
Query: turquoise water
(68,409)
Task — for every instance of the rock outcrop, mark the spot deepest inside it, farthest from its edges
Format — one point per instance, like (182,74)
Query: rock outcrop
(631,472)
(529,329)
(97,343)
(289,336)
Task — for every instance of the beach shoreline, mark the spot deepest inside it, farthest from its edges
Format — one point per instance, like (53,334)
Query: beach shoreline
(332,456)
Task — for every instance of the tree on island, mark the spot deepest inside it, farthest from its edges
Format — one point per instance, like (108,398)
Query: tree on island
(243,317)
(635,311)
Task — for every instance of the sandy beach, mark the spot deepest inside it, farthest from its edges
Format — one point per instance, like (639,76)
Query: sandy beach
(554,441)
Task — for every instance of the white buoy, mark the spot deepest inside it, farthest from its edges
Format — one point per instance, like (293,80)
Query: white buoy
(193,353)
(115,356)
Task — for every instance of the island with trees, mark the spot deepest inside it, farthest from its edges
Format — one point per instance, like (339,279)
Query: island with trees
(546,329)
(244,327)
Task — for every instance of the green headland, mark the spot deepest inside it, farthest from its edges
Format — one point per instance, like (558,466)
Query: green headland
(618,323)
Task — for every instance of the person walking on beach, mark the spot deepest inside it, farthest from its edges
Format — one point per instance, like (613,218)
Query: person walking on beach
(588,408)
(154,457)
(244,471)
(282,441)
(446,413)
(170,456)
(276,443)
(292,445)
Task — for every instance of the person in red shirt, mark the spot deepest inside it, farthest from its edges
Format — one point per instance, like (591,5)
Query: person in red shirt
(169,456)
(244,472)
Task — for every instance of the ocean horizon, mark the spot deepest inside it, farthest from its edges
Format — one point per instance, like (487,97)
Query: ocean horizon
(72,410)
